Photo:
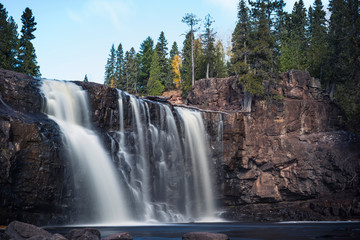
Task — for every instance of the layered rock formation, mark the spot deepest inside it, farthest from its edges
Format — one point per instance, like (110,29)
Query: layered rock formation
(289,152)
(287,159)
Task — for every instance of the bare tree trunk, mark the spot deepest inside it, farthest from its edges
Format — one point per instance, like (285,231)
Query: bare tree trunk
(192,57)
(207,70)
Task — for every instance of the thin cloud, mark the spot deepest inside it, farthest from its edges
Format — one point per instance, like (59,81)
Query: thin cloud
(114,11)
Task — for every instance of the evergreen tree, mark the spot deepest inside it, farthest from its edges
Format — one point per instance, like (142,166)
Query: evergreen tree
(191,20)
(199,66)
(8,41)
(294,47)
(131,69)
(86,78)
(119,67)
(317,34)
(219,63)
(161,48)
(27,56)
(186,70)
(208,41)
(110,68)
(240,40)
(174,50)
(154,85)
(146,53)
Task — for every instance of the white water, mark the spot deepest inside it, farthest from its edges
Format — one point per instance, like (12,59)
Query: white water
(196,144)
(166,169)
(66,104)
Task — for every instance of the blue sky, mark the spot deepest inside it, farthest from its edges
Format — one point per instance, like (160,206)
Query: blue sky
(73,38)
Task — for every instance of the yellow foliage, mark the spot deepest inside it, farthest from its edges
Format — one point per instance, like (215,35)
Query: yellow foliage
(176,66)
(112,83)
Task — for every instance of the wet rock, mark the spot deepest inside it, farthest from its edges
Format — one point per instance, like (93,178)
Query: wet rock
(204,236)
(119,236)
(83,234)
(58,236)
(19,230)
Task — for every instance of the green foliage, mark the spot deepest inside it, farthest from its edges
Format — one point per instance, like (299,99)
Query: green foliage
(119,68)
(252,83)
(110,67)
(86,78)
(8,41)
(208,42)
(131,71)
(154,85)
(186,70)
(27,56)
(161,49)
(174,50)
(146,54)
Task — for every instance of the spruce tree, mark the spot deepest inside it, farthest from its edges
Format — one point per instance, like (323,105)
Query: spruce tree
(154,85)
(219,63)
(119,67)
(317,34)
(86,78)
(161,48)
(186,70)
(240,41)
(27,56)
(131,69)
(294,47)
(110,68)
(146,53)
(8,41)
(208,42)
(174,50)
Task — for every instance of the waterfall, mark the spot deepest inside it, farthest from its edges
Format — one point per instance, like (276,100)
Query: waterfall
(67,105)
(164,160)
(159,165)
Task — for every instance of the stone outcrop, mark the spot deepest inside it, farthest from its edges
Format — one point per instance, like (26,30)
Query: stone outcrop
(288,159)
(290,150)
(204,236)
(32,171)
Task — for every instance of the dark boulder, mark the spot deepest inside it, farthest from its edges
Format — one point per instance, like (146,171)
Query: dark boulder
(119,236)
(19,230)
(83,234)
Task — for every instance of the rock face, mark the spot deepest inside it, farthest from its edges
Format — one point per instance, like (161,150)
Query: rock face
(291,148)
(32,172)
(287,159)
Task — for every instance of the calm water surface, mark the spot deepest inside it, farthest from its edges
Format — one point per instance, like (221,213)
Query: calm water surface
(248,231)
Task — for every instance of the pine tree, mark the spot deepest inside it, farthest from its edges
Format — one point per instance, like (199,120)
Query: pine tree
(27,56)
(294,47)
(161,48)
(86,78)
(131,69)
(8,41)
(110,68)
(186,70)
(219,63)
(174,50)
(208,41)
(154,85)
(191,20)
(317,34)
(240,41)
(146,53)
(119,67)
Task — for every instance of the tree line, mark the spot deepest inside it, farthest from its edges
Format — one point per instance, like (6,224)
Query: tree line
(266,42)
(18,53)
(155,69)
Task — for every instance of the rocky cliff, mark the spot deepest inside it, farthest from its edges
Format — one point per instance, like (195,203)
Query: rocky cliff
(289,158)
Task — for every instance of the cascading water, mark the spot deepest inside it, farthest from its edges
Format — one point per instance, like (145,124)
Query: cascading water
(66,104)
(164,160)
(159,166)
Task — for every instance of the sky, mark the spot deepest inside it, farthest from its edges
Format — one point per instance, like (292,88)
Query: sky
(73,38)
